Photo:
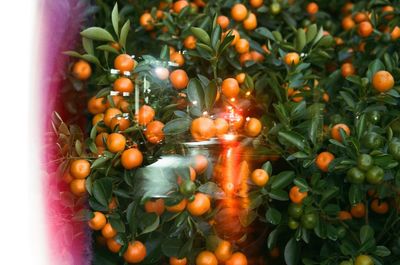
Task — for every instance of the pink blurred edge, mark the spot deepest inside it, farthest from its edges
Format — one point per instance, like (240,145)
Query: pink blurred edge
(69,240)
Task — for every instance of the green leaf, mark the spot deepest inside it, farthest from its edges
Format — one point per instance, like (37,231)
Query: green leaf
(115,19)
(154,223)
(177,126)
(102,190)
(311,32)
(73,54)
(212,189)
(201,35)
(366,233)
(107,48)
(329,194)
(267,167)
(382,251)
(99,161)
(355,194)
(273,216)
(171,247)
(272,238)
(300,39)
(96,33)
(279,195)
(348,99)
(88,45)
(292,252)
(196,94)
(282,180)
(210,94)
(124,33)
(91,58)
(293,138)
(301,183)
(216,37)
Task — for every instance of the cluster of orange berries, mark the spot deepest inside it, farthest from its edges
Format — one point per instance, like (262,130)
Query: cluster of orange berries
(223,254)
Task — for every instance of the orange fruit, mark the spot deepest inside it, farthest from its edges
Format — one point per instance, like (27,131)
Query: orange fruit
(203,129)
(223,251)
(242,46)
(112,205)
(80,168)
(221,126)
(131,158)
(146,114)
(240,78)
(382,81)
(101,138)
(177,208)
(237,258)
(108,231)
(347,69)
(146,21)
(379,207)
(292,58)
(323,160)
(115,45)
(123,84)
(250,22)
(325,97)
(98,221)
(176,261)
(347,8)
(395,34)
(388,9)
(360,17)
(236,36)
(256,56)
(252,127)
(256,3)
(96,119)
(156,206)
(365,29)
(115,100)
(110,114)
(200,205)
(116,142)
(96,105)
(81,70)
(344,215)
(179,5)
(245,57)
(199,163)
(294,95)
(275,252)
(177,58)
(121,122)
(113,245)
(312,8)
(124,62)
(135,253)
(239,12)
(296,196)
(78,187)
(335,132)
(223,21)
(206,258)
(230,88)
(154,132)
(179,79)
(190,42)
(348,23)
(162,73)
(67,177)
(358,210)
(260,177)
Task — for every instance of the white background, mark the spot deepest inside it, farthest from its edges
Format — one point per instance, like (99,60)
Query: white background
(22,224)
